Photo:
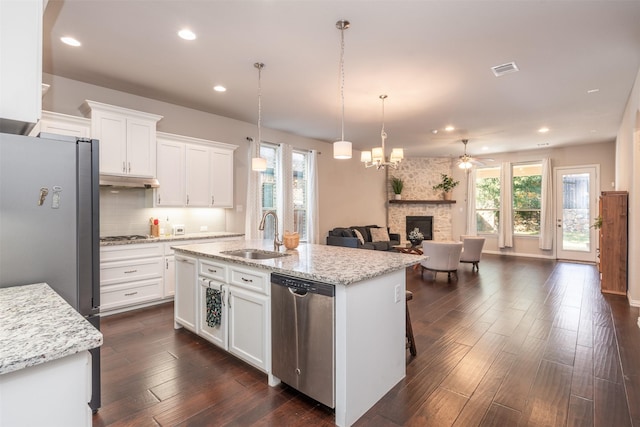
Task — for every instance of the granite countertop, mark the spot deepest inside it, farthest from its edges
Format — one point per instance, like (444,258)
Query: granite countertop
(329,264)
(188,236)
(38,326)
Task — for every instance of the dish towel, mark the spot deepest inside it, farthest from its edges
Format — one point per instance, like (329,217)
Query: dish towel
(214,307)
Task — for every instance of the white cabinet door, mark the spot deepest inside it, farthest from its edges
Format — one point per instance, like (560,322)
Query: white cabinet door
(111,130)
(185,302)
(141,147)
(249,320)
(20,64)
(169,276)
(197,168)
(221,178)
(170,164)
(216,334)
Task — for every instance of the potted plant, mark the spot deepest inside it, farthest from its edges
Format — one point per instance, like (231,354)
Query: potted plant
(397,185)
(446,185)
(597,222)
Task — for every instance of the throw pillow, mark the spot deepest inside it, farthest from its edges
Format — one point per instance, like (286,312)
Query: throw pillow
(359,236)
(379,235)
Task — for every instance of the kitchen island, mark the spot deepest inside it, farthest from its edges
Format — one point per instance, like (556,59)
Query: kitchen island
(369,309)
(45,368)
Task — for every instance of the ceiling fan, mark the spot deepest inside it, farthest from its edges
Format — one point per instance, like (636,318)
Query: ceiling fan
(466,161)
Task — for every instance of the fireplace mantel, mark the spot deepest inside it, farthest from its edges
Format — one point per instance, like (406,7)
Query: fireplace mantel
(427,202)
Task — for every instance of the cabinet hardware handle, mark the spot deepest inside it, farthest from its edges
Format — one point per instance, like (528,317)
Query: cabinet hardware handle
(224,295)
(158,198)
(130,294)
(187,199)
(130,271)
(166,263)
(123,168)
(211,270)
(212,200)
(129,167)
(246,280)
(186,260)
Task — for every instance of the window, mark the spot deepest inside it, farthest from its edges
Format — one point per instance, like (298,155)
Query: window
(526,199)
(300,168)
(269,186)
(527,195)
(488,200)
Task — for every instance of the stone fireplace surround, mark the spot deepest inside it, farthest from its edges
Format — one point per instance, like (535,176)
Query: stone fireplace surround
(420,174)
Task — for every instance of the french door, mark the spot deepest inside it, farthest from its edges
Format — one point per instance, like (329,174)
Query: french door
(576,190)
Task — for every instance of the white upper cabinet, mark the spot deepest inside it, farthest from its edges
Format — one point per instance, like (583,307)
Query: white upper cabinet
(194,172)
(170,172)
(221,178)
(20,65)
(63,124)
(127,139)
(198,169)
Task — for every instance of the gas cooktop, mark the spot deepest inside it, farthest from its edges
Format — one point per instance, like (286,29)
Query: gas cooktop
(121,238)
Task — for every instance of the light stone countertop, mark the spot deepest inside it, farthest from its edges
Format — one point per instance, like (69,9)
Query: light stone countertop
(37,325)
(329,264)
(189,236)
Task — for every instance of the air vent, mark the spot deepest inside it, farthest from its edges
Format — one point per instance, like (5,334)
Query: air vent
(501,70)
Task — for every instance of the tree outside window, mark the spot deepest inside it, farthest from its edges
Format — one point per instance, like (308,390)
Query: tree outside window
(269,186)
(300,199)
(488,200)
(527,196)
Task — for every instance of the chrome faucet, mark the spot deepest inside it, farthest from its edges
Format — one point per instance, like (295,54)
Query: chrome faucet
(276,240)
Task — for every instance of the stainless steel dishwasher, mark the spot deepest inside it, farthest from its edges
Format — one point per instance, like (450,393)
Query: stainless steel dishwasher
(302,336)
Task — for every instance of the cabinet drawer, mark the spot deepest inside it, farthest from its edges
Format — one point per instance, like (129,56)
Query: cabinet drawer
(249,279)
(128,271)
(212,270)
(124,252)
(116,296)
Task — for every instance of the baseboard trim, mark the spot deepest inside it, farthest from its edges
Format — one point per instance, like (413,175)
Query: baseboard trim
(519,254)
(633,302)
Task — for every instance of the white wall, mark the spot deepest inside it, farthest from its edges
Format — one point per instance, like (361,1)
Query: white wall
(628,179)
(599,153)
(349,194)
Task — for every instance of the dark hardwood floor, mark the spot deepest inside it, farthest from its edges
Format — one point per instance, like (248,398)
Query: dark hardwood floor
(523,342)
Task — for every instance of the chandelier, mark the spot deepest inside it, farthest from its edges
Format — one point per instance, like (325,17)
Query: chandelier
(376,157)
(259,164)
(342,148)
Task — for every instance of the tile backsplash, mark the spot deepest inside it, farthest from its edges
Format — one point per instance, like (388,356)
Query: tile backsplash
(127,211)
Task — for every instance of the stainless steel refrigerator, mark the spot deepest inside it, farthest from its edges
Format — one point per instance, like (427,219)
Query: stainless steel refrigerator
(49,222)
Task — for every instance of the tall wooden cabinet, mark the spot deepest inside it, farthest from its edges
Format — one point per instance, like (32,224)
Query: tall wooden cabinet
(613,242)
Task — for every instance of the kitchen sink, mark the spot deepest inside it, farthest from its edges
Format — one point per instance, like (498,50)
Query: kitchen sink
(254,254)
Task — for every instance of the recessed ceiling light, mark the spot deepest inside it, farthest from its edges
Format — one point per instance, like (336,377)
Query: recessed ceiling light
(70,41)
(593,90)
(485,148)
(187,34)
(219,88)
(449,128)
(543,130)
(434,131)
(543,144)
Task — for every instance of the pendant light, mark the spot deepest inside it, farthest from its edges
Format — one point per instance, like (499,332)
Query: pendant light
(342,148)
(259,164)
(376,157)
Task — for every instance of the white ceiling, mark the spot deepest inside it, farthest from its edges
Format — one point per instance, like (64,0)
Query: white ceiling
(432,59)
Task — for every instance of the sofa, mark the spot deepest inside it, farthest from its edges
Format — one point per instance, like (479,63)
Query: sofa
(371,237)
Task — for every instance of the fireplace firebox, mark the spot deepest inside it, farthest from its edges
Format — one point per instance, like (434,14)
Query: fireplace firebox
(422,223)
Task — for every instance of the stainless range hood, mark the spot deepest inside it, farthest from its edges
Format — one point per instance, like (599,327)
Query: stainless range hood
(128,182)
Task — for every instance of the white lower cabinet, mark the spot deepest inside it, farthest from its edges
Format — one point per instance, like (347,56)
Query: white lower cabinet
(185,301)
(130,275)
(244,328)
(249,317)
(169,276)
